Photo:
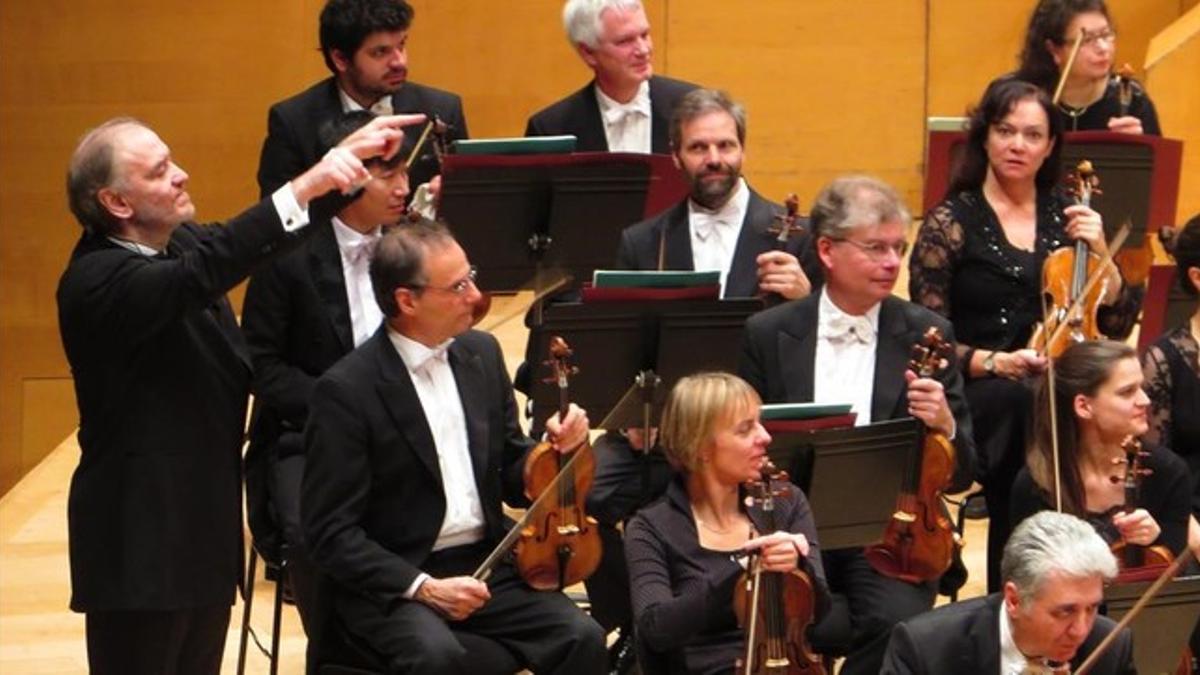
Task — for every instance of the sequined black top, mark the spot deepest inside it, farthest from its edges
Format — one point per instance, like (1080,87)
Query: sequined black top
(964,268)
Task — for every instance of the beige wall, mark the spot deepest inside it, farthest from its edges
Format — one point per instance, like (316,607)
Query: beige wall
(831,86)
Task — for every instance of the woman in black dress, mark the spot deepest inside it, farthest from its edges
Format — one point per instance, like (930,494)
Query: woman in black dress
(978,262)
(1100,404)
(1091,96)
(687,551)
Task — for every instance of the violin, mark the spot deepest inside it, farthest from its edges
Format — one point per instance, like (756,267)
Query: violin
(1131,557)
(1072,298)
(562,545)
(785,223)
(918,544)
(775,609)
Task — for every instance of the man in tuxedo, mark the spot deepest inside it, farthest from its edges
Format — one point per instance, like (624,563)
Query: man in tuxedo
(1054,570)
(626,107)
(304,311)
(412,442)
(850,343)
(364,43)
(724,225)
(161,379)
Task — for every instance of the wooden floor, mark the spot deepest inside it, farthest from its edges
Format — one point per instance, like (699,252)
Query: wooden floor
(39,635)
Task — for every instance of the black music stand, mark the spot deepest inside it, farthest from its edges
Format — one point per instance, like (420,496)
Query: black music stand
(616,341)
(851,476)
(1162,629)
(515,214)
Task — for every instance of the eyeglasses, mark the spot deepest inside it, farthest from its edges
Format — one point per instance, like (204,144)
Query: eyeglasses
(458,288)
(1106,36)
(878,250)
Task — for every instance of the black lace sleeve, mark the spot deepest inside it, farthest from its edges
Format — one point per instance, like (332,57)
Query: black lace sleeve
(934,259)
(1157,373)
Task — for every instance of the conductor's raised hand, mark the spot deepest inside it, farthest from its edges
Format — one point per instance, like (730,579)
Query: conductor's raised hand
(342,167)
(381,137)
(571,431)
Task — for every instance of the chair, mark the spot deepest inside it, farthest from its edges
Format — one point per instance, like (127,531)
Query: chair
(248,600)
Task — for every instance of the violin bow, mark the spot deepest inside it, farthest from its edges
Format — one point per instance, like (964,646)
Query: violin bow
(1066,71)
(1167,574)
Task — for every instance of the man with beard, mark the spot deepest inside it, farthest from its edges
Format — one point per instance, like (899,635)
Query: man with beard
(851,343)
(1054,570)
(625,108)
(364,43)
(722,225)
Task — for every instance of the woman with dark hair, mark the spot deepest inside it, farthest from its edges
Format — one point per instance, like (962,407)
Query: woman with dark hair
(1100,404)
(978,261)
(1172,371)
(687,551)
(1091,95)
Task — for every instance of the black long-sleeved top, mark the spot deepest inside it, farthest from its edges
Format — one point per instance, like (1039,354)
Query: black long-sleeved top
(683,592)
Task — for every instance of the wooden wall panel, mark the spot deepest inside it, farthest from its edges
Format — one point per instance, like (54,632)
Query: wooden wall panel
(1173,78)
(830,86)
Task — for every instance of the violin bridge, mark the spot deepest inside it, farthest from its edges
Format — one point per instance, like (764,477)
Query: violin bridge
(778,663)
(566,530)
(904,517)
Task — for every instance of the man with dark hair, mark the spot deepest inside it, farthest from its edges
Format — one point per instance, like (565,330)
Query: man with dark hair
(625,108)
(412,443)
(304,311)
(851,343)
(364,43)
(1045,620)
(161,379)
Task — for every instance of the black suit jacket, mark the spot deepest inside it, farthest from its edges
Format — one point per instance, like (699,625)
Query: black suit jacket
(293,143)
(579,115)
(161,379)
(779,347)
(638,249)
(372,500)
(296,318)
(964,637)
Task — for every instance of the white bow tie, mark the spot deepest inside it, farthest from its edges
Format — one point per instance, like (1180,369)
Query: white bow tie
(618,113)
(383,106)
(359,252)
(845,328)
(707,222)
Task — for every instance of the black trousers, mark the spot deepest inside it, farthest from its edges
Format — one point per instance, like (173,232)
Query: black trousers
(545,631)
(176,642)
(1001,415)
(626,479)
(877,603)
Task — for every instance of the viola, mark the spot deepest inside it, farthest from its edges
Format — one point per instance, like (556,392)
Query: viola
(1132,559)
(919,542)
(775,609)
(557,544)
(562,546)
(1075,282)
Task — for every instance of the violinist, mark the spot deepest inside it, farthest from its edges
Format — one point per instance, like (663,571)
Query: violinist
(304,311)
(1044,621)
(412,441)
(1091,97)
(686,552)
(978,260)
(850,343)
(1100,404)
(1172,371)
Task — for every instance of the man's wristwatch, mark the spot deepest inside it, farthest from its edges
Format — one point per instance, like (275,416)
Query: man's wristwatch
(989,364)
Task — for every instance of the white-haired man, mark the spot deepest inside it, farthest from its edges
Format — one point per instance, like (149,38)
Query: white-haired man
(626,107)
